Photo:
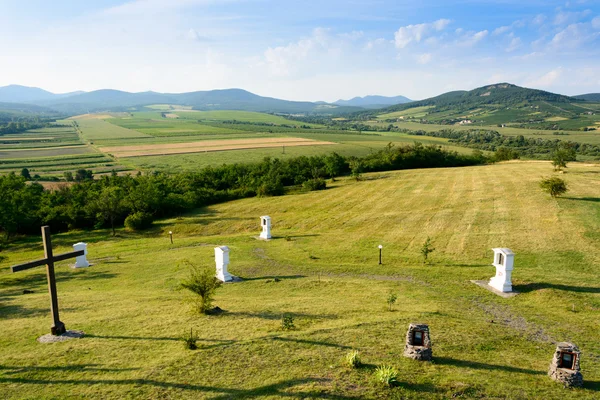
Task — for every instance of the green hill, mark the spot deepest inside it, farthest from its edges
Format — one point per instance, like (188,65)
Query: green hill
(326,276)
(499,104)
(595,97)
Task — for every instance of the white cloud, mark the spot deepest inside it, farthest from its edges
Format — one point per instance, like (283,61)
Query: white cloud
(354,35)
(372,44)
(570,17)
(548,79)
(596,23)
(415,33)
(569,38)
(424,58)
(501,30)
(514,44)
(472,38)
(539,19)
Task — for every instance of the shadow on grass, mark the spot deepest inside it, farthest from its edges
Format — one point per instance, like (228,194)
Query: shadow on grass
(477,365)
(281,277)
(310,342)
(275,389)
(87,335)
(530,287)
(591,199)
(295,236)
(273,316)
(591,385)
(7,369)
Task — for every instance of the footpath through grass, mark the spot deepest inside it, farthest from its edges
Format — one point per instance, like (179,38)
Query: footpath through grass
(484,346)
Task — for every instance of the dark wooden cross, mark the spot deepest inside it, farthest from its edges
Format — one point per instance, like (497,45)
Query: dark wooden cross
(58,328)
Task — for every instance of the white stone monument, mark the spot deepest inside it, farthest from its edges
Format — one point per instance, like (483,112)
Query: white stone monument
(265,223)
(222,261)
(81,261)
(504,260)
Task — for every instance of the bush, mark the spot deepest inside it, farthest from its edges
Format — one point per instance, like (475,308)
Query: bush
(203,283)
(287,322)
(353,359)
(426,249)
(553,185)
(392,297)
(387,375)
(139,221)
(190,341)
(315,184)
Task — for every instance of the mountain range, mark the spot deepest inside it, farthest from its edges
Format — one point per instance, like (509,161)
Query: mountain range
(373,101)
(492,102)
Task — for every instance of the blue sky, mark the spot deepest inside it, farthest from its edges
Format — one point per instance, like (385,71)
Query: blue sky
(301,50)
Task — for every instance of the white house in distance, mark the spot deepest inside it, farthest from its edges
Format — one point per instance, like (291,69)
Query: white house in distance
(504,260)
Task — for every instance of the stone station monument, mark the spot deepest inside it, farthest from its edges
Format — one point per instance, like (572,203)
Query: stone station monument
(564,367)
(418,343)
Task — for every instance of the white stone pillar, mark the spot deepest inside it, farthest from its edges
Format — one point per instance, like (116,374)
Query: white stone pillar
(222,262)
(504,260)
(265,223)
(81,261)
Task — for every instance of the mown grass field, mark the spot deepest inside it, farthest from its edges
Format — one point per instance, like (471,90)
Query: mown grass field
(484,346)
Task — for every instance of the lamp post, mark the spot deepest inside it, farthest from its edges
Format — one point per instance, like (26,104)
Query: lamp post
(380,248)
(171,236)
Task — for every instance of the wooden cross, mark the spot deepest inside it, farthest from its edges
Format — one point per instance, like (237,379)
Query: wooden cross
(58,328)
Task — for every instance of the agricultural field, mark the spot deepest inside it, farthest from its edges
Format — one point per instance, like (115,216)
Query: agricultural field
(322,269)
(51,151)
(148,141)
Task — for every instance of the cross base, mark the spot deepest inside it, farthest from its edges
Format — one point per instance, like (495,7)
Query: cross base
(58,328)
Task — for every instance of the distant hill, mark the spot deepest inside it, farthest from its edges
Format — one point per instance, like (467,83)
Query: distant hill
(373,101)
(498,104)
(116,100)
(26,94)
(589,97)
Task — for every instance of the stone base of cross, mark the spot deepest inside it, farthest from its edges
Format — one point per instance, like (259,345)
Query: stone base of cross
(58,328)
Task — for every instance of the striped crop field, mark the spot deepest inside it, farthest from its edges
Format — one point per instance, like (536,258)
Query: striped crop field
(209,146)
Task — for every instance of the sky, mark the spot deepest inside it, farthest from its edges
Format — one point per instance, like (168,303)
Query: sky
(301,50)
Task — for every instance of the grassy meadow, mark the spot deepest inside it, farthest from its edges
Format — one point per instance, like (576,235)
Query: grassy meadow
(484,346)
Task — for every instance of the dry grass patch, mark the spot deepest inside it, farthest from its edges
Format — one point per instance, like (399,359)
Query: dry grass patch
(209,146)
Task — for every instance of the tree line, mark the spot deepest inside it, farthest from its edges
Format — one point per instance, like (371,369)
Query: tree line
(519,146)
(136,201)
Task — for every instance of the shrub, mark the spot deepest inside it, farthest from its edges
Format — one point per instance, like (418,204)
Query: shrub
(426,249)
(287,322)
(553,185)
(190,341)
(203,283)
(315,184)
(353,359)
(387,375)
(138,221)
(392,297)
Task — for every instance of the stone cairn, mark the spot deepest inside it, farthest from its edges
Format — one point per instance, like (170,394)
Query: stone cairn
(565,365)
(413,349)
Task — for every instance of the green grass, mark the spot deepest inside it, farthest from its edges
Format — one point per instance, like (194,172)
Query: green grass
(415,112)
(245,116)
(92,129)
(484,346)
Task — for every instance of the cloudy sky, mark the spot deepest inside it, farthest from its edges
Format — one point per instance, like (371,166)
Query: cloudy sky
(301,50)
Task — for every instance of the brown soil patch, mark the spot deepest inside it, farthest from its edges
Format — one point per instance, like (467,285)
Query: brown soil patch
(208,145)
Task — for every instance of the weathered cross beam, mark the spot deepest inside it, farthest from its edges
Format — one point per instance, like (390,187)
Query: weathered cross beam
(58,328)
